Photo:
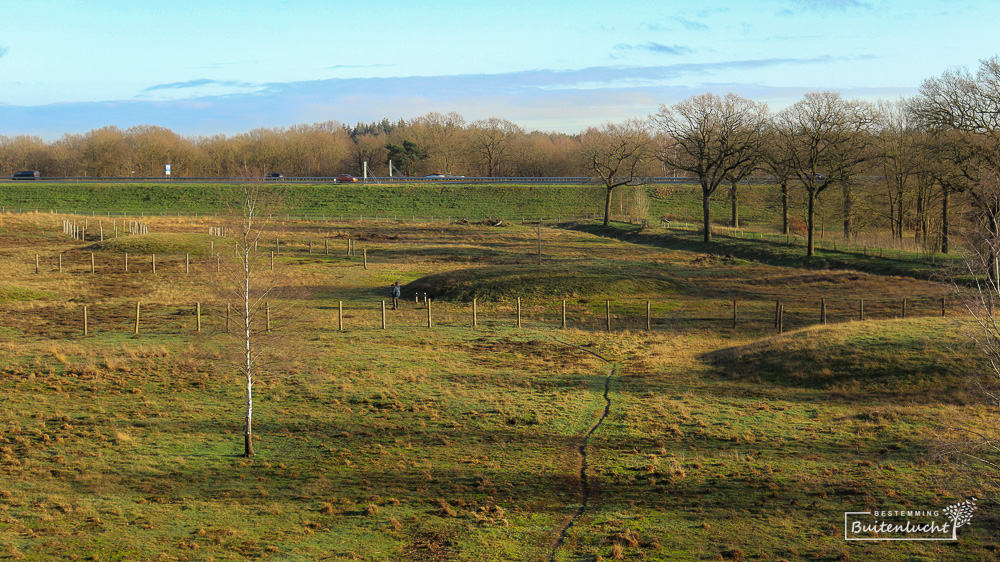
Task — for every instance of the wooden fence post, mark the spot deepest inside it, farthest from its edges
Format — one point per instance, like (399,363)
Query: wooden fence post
(781,318)
(365,252)
(198,315)
(126,262)
(93,266)
(383,314)
(822,310)
(36,263)
(607,314)
(904,307)
(85,320)
(539,241)
(310,247)
(60,263)
(563,315)
(861,309)
(734,313)
(187,263)
(272,261)
(137,318)
(227,317)
(942,306)
(153,261)
(430,322)
(518,312)
(340,316)
(267,316)
(475,315)
(326,246)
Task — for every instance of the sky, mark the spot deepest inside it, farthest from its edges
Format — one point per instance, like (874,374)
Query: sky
(207,67)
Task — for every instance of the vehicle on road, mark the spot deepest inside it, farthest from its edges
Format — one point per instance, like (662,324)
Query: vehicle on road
(275,176)
(346,178)
(436,175)
(26,175)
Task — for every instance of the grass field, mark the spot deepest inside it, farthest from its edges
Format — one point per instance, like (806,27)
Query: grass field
(760,203)
(455,442)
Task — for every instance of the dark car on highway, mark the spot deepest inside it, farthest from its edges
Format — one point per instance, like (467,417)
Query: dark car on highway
(25,175)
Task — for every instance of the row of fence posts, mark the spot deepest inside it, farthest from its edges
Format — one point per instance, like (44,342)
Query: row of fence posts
(779,314)
(218,259)
(79,232)
(138,309)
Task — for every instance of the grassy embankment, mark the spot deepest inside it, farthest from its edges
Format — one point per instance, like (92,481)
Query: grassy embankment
(760,204)
(460,443)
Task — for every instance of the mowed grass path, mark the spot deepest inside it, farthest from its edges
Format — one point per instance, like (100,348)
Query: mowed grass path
(454,443)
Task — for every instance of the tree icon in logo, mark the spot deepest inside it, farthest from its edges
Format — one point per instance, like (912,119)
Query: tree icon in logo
(961,514)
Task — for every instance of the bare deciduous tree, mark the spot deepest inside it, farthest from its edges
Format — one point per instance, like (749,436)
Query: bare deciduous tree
(247,280)
(490,140)
(616,153)
(711,137)
(823,138)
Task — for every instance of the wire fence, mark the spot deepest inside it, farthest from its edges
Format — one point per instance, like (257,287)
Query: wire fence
(418,312)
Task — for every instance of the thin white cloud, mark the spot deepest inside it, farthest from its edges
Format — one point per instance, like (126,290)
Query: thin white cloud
(198,83)
(655,48)
(832,4)
(691,25)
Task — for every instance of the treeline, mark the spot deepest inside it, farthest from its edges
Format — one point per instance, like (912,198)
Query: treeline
(434,143)
(904,166)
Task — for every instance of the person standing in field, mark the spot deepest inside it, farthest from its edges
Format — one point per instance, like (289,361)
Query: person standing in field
(395,295)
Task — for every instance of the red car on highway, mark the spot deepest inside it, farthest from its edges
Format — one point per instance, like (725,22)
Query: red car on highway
(346,178)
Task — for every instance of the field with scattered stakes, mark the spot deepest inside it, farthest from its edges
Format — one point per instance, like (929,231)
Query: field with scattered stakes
(556,391)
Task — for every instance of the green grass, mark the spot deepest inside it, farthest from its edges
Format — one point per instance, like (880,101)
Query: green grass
(454,443)
(760,204)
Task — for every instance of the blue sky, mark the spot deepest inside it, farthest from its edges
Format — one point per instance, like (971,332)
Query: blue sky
(207,67)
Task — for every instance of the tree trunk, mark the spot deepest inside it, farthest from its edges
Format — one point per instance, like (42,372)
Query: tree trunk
(848,207)
(607,206)
(945,196)
(918,230)
(898,226)
(248,434)
(706,214)
(811,219)
(784,207)
(735,204)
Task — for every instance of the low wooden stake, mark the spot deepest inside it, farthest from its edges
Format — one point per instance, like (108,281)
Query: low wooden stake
(518,312)
(475,316)
(85,320)
(563,315)
(137,318)
(198,315)
(340,316)
(383,314)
